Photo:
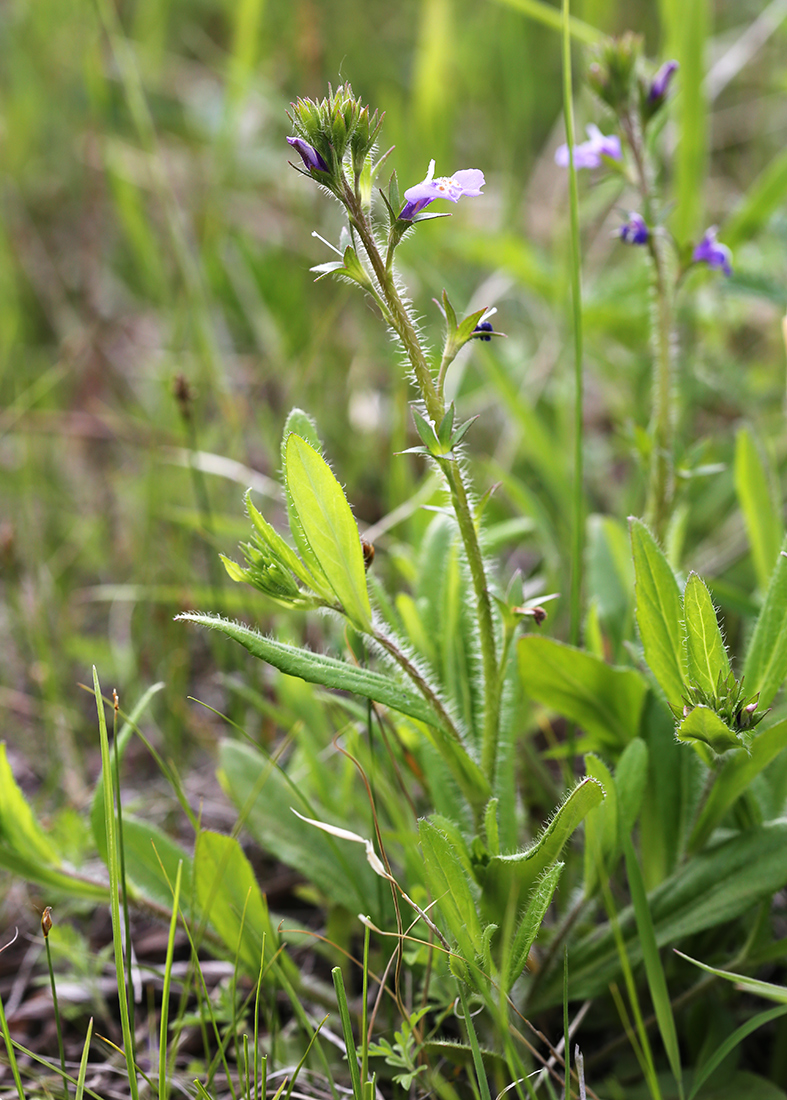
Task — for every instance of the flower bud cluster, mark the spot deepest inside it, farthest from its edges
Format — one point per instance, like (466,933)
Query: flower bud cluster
(334,132)
(611,75)
(618,76)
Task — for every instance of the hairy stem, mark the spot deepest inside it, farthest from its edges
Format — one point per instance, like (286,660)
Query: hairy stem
(405,329)
(661,482)
(420,682)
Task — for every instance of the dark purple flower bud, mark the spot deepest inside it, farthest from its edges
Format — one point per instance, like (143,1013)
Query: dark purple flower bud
(467,182)
(661,81)
(309,155)
(588,154)
(481,329)
(634,231)
(710,252)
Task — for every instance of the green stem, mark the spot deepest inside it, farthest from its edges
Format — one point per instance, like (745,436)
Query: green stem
(420,682)
(578,524)
(53,987)
(405,329)
(661,482)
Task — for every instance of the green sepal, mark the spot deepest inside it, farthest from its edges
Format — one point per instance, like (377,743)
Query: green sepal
(393,201)
(448,312)
(704,725)
(446,427)
(462,431)
(426,431)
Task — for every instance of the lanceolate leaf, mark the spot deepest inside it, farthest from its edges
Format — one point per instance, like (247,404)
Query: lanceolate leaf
(316,668)
(766,660)
(229,897)
(284,552)
(659,614)
(449,886)
(329,527)
(303,425)
(509,879)
(530,924)
(605,701)
(763,524)
(706,656)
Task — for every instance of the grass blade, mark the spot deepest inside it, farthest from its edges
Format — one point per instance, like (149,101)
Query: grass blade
(114,888)
(347,1029)
(162,1072)
(653,968)
(83,1063)
(730,1043)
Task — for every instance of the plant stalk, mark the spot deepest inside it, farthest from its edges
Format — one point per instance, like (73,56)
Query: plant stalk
(406,331)
(661,481)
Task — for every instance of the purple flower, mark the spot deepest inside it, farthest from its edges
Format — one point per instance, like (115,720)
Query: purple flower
(309,155)
(661,81)
(589,153)
(634,231)
(467,182)
(710,252)
(481,330)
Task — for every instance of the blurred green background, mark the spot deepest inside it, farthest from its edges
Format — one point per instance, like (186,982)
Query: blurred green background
(152,229)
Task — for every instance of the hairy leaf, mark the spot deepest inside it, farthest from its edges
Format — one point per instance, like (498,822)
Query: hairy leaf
(329,526)
(659,614)
(706,655)
(450,887)
(510,878)
(704,725)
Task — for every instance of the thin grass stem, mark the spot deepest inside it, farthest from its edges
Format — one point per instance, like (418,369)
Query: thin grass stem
(164,1029)
(124,893)
(46,925)
(83,1062)
(578,519)
(114,888)
(9,1046)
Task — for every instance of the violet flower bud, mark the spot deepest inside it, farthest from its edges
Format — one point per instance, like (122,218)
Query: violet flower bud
(309,155)
(481,329)
(634,231)
(661,81)
(709,251)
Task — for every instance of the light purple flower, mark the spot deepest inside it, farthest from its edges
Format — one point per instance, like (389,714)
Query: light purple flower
(710,252)
(661,81)
(635,230)
(589,153)
(467,182)
(309,155)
